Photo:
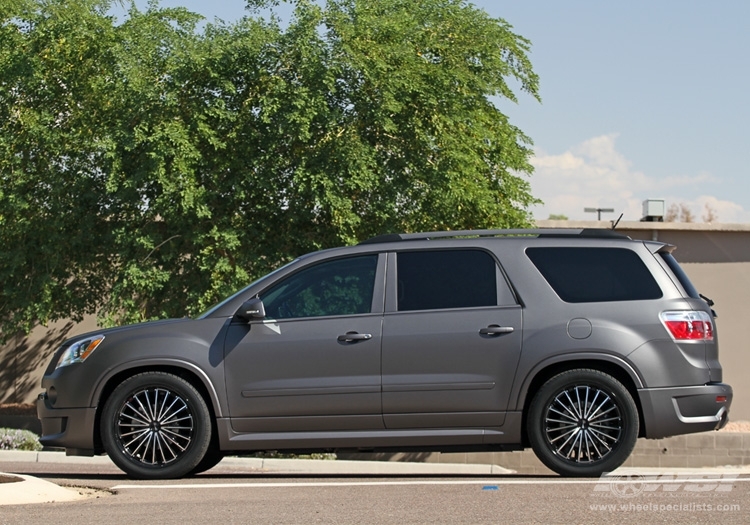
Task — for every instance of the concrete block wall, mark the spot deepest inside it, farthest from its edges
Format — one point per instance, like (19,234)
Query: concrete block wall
(708,449)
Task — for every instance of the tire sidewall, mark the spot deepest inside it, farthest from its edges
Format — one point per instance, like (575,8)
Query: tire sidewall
(201,420)
(581,377)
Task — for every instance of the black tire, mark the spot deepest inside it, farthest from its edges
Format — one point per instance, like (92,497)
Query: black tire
(156,425)
(210,460)
(212,456)
(582,423)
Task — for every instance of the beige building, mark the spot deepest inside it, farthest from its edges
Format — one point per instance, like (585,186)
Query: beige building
(715,256)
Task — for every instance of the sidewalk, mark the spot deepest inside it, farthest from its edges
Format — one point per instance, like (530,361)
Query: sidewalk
(35,490)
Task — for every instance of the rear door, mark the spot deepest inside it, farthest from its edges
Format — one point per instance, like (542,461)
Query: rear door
(452,336)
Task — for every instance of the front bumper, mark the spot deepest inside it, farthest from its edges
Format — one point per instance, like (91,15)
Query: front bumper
(69,428)
(684,410)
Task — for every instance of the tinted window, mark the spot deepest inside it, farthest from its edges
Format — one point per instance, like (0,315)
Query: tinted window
(681,275)
(430,280)
(582,275)
(339,287)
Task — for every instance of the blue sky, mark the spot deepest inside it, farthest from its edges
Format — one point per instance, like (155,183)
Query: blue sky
(640,99)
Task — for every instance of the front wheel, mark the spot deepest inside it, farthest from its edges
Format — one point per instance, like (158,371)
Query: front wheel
(156,425)
(209,461)
(583,423)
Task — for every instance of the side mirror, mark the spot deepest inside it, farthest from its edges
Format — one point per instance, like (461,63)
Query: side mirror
(251,309)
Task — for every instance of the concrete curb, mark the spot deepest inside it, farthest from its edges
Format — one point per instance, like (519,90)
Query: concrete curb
(302,466)
(34,490)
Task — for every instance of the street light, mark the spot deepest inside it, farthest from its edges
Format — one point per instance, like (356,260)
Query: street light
(599,211)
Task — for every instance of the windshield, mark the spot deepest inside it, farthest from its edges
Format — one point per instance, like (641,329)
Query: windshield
(244,290)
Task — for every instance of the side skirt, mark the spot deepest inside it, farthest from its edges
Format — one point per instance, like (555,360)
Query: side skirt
(507,437)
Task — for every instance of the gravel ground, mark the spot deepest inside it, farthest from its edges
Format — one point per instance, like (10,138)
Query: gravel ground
(7,478)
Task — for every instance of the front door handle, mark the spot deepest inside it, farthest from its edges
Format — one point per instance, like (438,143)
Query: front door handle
(353,337)
(494,329)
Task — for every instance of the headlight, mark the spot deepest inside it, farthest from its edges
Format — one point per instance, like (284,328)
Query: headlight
(79,351)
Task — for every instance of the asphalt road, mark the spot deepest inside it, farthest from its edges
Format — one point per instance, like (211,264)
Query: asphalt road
(229,494)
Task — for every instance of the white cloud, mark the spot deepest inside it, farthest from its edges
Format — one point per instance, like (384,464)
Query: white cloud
(594,174)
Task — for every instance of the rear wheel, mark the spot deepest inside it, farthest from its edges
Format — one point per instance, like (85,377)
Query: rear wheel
(583,423)
(156,425)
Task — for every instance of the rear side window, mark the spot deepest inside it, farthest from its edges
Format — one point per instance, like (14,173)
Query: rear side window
(432,280)
(591,275)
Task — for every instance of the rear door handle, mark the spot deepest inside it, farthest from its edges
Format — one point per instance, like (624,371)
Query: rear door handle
(353,337)
(494,329)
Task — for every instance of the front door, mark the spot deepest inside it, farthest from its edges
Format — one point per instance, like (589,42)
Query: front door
(313,363)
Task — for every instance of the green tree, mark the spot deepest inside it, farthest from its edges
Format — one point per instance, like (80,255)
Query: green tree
(53,57)
(148,167)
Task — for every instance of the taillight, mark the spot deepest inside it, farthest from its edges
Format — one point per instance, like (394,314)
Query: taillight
(688,325)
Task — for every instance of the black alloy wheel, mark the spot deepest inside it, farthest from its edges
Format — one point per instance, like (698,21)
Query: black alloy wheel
(156,425)
(583,423)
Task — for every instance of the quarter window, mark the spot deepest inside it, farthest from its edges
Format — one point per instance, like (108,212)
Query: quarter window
(338,287)
(431,280)
(681,275)
(589,275)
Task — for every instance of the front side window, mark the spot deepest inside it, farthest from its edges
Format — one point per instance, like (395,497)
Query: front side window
(431,280)
(332,288)
(583,275)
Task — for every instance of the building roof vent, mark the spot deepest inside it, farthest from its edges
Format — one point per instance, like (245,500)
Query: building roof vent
(653,210)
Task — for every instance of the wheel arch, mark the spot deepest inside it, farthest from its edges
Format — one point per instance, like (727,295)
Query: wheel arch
(617,368)
(186,371)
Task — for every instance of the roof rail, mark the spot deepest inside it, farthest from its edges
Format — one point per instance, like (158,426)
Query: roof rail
(535,232)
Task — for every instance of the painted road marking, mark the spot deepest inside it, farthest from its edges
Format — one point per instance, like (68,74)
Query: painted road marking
(483,482)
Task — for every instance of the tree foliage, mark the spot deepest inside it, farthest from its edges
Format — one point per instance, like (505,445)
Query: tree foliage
(152,165)
(682,212)
(679,213)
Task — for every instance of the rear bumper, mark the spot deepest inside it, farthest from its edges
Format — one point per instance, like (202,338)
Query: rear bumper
(684,410)
(69,428)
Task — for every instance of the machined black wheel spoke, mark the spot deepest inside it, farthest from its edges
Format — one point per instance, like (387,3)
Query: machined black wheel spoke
(571,405)
(562,426)
(601,412)
(602,441)
(565,414)
(137,414)
(596,422)
(567,434)
(591,411)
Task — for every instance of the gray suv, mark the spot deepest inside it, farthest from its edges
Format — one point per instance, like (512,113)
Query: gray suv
(572,342)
